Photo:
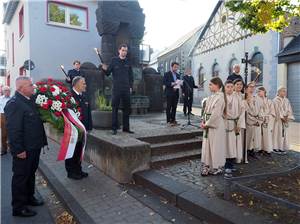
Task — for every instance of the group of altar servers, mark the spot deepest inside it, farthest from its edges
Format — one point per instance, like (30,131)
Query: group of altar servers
(229,115)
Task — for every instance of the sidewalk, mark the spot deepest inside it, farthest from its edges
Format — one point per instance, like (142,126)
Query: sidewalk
(43,215)
(96,199)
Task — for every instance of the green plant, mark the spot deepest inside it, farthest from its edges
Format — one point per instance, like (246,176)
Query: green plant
(103,104)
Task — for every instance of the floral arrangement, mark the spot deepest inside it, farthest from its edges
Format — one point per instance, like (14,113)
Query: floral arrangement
(52,98)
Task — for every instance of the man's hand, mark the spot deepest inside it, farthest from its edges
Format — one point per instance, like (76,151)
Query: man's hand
(22,155)
(202,125)
(182,94)
(68,79)
(173,83)
(104,67)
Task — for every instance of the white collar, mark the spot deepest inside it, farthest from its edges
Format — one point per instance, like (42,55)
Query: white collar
(76,92)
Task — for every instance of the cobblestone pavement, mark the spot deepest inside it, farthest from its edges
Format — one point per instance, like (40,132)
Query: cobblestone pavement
(189,172)
(104,200)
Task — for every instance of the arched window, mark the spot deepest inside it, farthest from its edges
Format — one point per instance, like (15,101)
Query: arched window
(215,70)
(257,62)
(201,74)
(177,59)
(232,62)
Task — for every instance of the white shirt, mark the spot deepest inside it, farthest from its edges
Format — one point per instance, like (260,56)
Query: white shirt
(3,101)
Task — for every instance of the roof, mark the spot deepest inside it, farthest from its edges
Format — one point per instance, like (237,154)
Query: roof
(181,41)
(291,53)
(10,9)
(220,2)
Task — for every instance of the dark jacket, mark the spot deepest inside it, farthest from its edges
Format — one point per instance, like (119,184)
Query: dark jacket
(73,73)
(188,85)
(122,74)
(86,117)
(167,81)
(24,126)
(234,76)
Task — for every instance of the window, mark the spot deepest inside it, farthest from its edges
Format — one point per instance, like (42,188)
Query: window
(201,74)
(21,22)
(232,62)
(177,59)
(257,67)
(67,15)
(215,70)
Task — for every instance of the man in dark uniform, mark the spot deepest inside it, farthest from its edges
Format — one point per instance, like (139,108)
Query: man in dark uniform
(188,92)
(236,73)
(74,72)
(73,165)
(26,136)
(172,92)
(122,87)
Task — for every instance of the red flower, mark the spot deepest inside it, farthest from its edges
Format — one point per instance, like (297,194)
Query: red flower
(57,114)
(45,106)
(57,97)
(43,89)
(63,105)
(50,80)
(52,89)
(40,83)
(49,102)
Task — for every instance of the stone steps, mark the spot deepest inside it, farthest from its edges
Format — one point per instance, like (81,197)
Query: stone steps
(164,148)
(161,160)
(171,137)
(211,209)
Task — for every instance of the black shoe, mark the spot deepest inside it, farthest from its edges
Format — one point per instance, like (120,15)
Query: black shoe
(75,176)
(84,174)
(25,212)
(114,132)
(128,131)
(35,201)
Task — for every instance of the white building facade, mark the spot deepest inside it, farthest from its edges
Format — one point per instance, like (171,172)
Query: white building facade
(50,34)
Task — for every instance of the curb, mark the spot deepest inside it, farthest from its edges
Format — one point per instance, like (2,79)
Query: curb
(67,199)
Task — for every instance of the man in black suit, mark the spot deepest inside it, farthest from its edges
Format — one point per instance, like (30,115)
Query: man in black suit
(236,73)
(26,136)
(188,92)
(170,82)
(122,87)
(73,165)
(74,72)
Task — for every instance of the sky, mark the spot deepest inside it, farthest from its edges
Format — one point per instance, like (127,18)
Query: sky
(166,20)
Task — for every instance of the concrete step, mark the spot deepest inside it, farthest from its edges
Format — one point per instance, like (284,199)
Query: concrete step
(211,209)
(163,160)
(160,149)
(172,136)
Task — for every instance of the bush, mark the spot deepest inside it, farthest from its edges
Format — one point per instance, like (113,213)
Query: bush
(103,104)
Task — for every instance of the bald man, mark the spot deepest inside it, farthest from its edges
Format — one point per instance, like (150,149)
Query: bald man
(26,137)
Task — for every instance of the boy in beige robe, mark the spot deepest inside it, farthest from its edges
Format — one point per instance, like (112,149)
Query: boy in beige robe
(238,87)
(253,121)
(213,150)
(268,114)
(235,110)
(284,114)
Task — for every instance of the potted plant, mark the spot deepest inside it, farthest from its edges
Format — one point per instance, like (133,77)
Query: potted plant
(102,117)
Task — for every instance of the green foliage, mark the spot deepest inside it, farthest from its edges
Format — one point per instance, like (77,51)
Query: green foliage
(260,16)
(56,13)
(103,104)
(74,20)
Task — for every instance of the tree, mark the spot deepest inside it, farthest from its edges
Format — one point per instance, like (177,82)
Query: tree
(260,16)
